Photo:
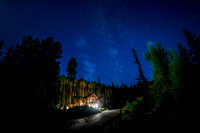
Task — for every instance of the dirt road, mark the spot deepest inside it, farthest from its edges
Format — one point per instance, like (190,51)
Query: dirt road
(94,120)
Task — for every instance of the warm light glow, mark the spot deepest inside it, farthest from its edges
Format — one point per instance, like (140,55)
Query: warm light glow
(93,105)
(63,107)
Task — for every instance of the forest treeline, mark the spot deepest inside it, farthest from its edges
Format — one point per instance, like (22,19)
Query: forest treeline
(28,75)
(171,95)
(31,82)
(72,91)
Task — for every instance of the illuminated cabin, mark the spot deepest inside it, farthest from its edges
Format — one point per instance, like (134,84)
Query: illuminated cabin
(92,100)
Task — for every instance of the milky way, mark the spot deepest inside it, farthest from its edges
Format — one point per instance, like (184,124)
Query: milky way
(101,34)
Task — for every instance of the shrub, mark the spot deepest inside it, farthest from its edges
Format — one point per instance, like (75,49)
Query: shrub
(132,106)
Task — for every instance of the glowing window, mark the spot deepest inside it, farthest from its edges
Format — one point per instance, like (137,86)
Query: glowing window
(92,100)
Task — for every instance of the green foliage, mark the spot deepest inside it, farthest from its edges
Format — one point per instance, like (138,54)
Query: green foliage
(167,77)
(62,79)
(75,99)
(158,56)
(103,110)
(175,73)
(131,109)
(131,106)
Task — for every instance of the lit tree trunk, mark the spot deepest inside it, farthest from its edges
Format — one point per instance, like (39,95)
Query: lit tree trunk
(70,98)
(109,94)
(72,64)
(83,89)
(62,94)
(65,88)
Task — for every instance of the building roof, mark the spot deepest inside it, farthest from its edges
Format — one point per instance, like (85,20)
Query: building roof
(88,96)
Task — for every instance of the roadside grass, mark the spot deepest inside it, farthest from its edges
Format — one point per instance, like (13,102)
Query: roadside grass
(103,110)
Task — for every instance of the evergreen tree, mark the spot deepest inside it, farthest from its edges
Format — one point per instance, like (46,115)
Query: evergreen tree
(83,85)
(63,89)
(168,78)
(71,69)
(159,58)
(141,75)
(142,81)
(1,46)
(192,54)
(99,89)
(190,57)
(34,66)
(175,74)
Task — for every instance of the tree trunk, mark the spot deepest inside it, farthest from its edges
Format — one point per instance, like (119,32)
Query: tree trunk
(83,91)
(70,98)
(66,96)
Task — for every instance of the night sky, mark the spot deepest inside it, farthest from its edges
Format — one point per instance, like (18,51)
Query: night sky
(100,34)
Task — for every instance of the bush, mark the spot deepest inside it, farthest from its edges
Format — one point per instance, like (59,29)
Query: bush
(130,110)
(132,106)
(103,109)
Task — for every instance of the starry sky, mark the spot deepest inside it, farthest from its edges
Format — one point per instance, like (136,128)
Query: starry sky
(100,34)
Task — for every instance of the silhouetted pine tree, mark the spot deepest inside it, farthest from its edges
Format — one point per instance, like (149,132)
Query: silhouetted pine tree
(191,63)
(30,72)
(142,81)
(71,69)
(1,46)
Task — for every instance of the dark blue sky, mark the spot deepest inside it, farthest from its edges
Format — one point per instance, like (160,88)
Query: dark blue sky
(100,34)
